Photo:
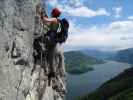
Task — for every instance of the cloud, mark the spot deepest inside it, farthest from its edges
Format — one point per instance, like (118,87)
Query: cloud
(83,11)
(118,11)
(52,2)
(121,27)
(114,36)
(76,8)
(130,17)
(74,3)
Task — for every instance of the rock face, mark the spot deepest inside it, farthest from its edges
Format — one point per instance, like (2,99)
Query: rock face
(17,27)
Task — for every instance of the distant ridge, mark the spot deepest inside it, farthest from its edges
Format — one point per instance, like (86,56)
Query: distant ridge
(78,62)
(125,56)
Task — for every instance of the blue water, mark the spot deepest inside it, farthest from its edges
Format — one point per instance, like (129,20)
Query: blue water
(78,85)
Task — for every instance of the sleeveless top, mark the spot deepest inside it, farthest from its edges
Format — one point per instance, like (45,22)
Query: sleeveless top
(53,27)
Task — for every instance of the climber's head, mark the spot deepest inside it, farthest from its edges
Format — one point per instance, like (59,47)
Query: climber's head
(56,12)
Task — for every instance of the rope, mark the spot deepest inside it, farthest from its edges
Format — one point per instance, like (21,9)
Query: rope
(41,63)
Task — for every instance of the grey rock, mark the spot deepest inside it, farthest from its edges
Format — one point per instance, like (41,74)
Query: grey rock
(19,25)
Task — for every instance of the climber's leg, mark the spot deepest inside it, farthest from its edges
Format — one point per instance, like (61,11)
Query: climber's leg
(61,66)
(37,52)
(51,59)
(51,62)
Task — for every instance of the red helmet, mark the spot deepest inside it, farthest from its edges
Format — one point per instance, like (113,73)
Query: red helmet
(56,12)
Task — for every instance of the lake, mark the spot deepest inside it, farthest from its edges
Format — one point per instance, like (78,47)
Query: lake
(78,85)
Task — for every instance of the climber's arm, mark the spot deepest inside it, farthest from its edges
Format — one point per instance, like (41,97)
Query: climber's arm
(49,20)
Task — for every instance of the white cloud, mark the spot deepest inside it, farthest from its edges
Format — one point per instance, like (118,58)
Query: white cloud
(115,36)
(83,11)
(53,2)
(118,12)
(121,27)
(75,3)
(130,17)
(76,8)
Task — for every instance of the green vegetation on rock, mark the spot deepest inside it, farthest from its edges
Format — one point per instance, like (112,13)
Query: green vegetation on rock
(78,63)
(119,88)
(125,56)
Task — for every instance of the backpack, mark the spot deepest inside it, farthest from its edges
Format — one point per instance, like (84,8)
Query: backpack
(62,31)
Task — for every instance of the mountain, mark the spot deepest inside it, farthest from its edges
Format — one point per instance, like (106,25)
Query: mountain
(118,88)
(100,54)
(78,62)
(125,56)
(121,56)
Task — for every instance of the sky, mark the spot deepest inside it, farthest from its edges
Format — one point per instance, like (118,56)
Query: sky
(97,24)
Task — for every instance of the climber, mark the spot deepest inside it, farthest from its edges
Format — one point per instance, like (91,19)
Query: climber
(50,45)
(58,33)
